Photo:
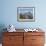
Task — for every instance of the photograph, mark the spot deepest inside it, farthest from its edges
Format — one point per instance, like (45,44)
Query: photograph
(26,14)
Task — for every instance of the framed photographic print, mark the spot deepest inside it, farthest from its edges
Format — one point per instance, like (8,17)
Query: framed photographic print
(26,14)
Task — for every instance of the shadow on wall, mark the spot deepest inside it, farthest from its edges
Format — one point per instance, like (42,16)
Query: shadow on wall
(2,26)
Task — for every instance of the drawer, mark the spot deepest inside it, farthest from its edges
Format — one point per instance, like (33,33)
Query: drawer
(37,44)
(37,39)
(34,33)
(13,33)
(12,44)
(12,39)
(34,39)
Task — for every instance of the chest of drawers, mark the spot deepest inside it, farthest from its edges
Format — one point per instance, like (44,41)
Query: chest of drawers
(23,39)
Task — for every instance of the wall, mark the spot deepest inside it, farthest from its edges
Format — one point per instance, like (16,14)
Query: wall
(9,13)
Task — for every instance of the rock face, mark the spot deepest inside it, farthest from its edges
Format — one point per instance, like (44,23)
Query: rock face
(27,15)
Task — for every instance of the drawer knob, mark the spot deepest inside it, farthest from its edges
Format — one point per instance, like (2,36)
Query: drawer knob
(11,38)
(33,39)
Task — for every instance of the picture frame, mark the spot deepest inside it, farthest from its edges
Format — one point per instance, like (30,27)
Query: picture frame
(26,14)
